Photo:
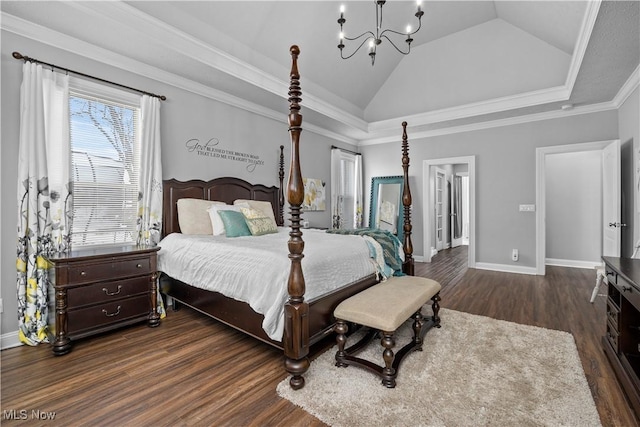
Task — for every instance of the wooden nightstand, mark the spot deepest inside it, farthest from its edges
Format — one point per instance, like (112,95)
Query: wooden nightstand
(96,290)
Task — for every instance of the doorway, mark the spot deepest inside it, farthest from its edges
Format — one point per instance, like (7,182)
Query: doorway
(464,167)
(610,153)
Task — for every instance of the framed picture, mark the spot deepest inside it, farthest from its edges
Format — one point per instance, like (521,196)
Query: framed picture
(314,195)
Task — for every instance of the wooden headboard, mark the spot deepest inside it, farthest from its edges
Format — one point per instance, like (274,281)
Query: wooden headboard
(225,189)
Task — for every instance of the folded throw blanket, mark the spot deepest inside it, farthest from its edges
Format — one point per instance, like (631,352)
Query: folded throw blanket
(391,246)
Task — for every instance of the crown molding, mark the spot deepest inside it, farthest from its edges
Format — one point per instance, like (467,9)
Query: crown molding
(185,44)
(46,36)
(526,99)
(496,105)
(372,133)
(627,88)
(548,115)
(588,22)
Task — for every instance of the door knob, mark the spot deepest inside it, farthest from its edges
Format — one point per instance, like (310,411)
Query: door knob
(617,224)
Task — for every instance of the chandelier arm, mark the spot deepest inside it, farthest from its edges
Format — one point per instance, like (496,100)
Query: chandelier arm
(398,49)
(355,51)
(363,34)
(403,34)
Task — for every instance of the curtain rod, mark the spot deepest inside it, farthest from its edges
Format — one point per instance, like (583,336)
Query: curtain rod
(348,151)
(18,55)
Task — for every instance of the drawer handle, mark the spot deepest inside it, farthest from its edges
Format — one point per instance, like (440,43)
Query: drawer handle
(139,266)
(106,291)
(626,288)
(106,313)
(83,273)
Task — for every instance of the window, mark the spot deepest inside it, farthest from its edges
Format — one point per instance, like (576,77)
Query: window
(346,188)
(105,160)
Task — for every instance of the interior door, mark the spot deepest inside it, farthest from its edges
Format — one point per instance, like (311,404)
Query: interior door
(440,184)
(456,214)
(611,200)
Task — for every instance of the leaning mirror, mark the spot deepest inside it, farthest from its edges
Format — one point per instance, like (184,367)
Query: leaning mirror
(385,206)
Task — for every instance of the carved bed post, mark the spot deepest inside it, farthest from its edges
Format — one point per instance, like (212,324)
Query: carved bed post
(407,266)
(296,309)
(280,188)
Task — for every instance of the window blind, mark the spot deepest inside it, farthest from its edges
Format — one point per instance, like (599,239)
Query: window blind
(105,161)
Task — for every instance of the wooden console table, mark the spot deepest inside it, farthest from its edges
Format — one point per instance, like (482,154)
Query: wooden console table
(622,339)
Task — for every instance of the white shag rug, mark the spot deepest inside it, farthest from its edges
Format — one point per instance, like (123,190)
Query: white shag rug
(473,371)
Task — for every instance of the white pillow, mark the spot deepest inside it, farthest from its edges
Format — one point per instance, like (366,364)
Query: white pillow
(193,217)
(259,205)
(214,219)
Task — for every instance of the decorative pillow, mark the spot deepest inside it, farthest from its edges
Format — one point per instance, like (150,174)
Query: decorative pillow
(215,220)
(258,222)
(234,224)
(264,207)
(193,217)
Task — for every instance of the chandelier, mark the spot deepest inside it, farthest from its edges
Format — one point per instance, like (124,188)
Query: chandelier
(375,39)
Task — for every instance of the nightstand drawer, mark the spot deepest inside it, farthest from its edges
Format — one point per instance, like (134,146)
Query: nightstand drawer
(612,337)
(107,313)
(106,291)
(613,314)
(109,270)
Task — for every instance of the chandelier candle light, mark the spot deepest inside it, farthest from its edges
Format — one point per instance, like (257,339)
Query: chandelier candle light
(375,39)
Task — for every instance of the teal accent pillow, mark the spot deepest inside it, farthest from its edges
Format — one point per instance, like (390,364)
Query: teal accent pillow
(234,224)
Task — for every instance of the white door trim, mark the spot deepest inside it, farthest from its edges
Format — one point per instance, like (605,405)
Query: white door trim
(427,210)
(541,153)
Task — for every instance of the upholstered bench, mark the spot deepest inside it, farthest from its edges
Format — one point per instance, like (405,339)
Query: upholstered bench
(383,308)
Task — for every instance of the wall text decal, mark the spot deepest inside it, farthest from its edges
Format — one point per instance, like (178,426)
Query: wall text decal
(211,149)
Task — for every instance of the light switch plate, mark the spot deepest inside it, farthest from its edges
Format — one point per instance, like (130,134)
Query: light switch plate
(527,208)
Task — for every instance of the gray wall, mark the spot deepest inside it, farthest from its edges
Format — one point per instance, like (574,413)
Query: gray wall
(505,176)
(185,117)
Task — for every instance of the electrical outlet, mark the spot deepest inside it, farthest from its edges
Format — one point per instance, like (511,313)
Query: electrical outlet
(527,208)
(514,255)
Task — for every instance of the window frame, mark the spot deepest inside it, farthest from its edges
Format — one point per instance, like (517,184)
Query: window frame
(78,88)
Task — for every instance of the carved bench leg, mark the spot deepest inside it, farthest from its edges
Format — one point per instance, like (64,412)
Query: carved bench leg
(417,328)
(436,309)
(388,373)
(341,329)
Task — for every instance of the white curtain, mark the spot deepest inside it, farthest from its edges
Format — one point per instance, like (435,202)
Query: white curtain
(44,192)
(346,189)
(336,179)
(150,181)
(358,196)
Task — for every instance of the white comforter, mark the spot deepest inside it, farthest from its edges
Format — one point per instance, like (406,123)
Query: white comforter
(255,269)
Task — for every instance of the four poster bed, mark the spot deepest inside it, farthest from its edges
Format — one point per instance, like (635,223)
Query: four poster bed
(303,315)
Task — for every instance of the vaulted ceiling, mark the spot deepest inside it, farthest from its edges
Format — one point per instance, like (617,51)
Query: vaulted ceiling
(471,62)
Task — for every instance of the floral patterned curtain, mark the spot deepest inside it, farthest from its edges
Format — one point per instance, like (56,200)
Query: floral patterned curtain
(150,182)
(44,192)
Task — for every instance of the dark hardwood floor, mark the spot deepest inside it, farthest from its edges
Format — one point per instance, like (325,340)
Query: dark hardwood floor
(194,371)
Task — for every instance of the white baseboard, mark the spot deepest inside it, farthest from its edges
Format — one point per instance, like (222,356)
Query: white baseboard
(418,258)
(572,263)
(506,268)
(9,340)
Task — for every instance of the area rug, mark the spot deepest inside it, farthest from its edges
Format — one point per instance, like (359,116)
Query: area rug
(474,371)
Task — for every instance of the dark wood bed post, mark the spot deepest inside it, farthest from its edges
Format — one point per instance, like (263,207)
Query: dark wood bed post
(281,188)
(296,309)
(407,266)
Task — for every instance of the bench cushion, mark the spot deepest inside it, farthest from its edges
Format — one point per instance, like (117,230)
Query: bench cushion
(388,304)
